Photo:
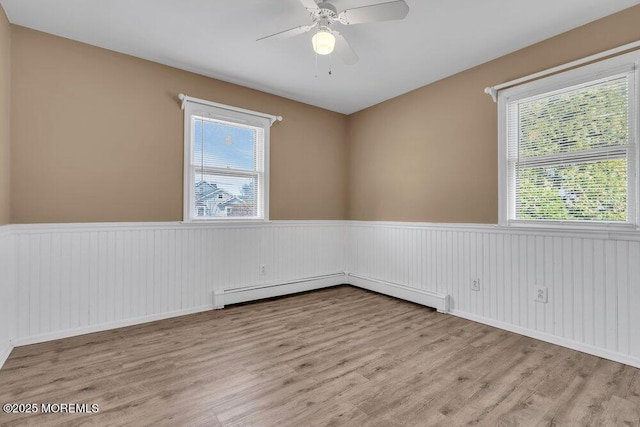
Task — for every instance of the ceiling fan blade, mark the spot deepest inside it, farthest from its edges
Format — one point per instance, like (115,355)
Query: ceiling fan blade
(309,4)
(376,12)
(288,33)
(344,50)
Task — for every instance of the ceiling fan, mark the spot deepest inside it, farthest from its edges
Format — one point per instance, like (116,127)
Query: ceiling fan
(325,15)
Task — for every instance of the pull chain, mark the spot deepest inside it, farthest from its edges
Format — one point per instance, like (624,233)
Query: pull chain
(201,148)
(316,53)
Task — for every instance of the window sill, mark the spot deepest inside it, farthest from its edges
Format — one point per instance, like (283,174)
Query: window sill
(604,230)
(225,222)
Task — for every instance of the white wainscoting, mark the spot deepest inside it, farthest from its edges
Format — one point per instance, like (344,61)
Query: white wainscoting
(8,294)
(593,278)
(75,278)
(59,280)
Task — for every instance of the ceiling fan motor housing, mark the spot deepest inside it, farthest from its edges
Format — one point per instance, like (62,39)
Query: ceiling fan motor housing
(325,13)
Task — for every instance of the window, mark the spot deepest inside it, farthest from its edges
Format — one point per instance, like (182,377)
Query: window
(226,162)
(568,147)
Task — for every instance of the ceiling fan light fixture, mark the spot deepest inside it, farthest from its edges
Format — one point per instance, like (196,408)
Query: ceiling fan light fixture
(323,42)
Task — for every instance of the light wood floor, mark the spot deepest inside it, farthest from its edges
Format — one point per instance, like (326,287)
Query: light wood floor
(340,356)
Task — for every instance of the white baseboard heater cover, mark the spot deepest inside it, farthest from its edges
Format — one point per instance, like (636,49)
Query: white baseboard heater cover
(235,296)
(438,301)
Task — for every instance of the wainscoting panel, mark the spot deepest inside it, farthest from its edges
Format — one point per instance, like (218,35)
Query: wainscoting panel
(61,280)
(593,279)
(74,278)
(8,294)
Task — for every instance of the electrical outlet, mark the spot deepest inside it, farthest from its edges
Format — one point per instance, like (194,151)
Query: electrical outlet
(263,269)
(541,294)
(475,284)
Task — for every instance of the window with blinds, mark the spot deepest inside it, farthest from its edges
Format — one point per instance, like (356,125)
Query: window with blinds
(569,148)
(225,175)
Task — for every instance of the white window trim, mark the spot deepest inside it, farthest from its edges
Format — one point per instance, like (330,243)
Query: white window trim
(190,106)
(616,65)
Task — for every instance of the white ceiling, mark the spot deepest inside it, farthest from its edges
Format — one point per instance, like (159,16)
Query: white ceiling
(217,38)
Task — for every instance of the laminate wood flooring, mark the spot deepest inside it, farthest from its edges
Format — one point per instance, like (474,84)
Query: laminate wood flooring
(338,356)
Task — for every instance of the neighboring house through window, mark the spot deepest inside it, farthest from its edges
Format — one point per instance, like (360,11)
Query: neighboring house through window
(226,162)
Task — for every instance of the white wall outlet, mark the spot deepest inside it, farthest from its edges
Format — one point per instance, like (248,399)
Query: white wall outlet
(263,269)
(475,284)
(541,294)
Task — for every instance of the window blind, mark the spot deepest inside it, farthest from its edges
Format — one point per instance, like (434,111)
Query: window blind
(226,162)
(570,157)
(226,167)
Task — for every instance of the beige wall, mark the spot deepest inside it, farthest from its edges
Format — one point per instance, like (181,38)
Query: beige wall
(431,155)
(98,136)
(5,97)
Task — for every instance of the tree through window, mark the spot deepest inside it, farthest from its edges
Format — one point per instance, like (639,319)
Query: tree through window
(569,148)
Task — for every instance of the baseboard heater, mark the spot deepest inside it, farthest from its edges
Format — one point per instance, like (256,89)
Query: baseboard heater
(438,301)
(235,296)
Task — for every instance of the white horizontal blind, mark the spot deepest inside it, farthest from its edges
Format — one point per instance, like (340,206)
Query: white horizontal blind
(571,153)
(226,167)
